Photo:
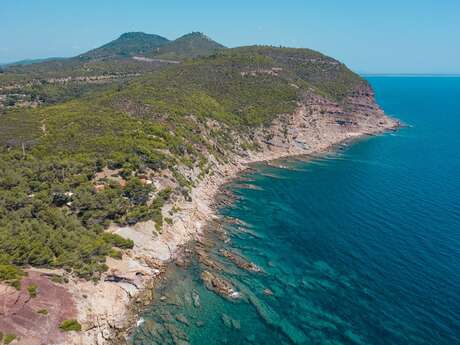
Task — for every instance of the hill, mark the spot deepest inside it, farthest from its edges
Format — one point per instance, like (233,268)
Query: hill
(188,46)
(127,45)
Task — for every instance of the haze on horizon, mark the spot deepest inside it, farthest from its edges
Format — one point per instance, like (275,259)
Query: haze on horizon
(391,37)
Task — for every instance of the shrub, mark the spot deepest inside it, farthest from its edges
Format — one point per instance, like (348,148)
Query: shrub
(43,311)
(55,278)
(118,241)
(11,275)
(70,325)
(8,338)
(116,254)
(32,289)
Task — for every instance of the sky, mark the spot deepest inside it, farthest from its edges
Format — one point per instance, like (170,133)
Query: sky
(370,36)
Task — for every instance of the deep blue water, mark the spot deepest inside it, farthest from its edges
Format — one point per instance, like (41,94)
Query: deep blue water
(358,247)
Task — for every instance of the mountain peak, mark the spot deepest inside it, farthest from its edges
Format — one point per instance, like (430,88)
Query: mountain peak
(138,35)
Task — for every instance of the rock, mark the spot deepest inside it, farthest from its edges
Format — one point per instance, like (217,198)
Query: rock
(231,323)
(200,323)
(18,311)
(177,335)
(183,319)
(240,261)
(251,338)
(268,292)
(226,320)
(196,299)
(219,285)
(188,299)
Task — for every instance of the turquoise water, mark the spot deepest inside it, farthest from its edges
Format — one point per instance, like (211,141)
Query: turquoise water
(358,247)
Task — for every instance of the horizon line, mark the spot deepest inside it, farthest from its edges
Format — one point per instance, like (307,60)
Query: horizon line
(423,74)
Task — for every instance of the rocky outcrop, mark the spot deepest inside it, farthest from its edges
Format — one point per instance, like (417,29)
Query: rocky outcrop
(219,285)
(240,261)
(35,318)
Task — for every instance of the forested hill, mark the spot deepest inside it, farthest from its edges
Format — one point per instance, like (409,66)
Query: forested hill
(69,170)
(188,46)
(127,45)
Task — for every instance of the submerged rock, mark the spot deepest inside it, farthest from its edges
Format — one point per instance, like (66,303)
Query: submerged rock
(268,292)
(183,319)
(196,299)
(178,336)
(200,323)
(188,299)
(251,338)
(230,323)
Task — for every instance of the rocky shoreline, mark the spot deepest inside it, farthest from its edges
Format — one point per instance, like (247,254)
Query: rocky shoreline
(108,310)
(221,197)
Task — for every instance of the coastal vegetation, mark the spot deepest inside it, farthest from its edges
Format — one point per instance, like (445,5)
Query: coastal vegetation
(43,312)
(32,289)
(70,325)
(7,338)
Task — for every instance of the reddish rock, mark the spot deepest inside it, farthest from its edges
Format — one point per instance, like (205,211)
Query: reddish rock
(19,311)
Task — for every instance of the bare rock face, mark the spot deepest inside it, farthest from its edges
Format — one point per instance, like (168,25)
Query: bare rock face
(103,308)
(36,320)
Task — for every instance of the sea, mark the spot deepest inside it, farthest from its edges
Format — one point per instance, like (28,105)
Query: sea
(359,246)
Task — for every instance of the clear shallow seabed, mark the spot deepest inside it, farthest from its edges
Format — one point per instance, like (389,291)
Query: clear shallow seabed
(358,247)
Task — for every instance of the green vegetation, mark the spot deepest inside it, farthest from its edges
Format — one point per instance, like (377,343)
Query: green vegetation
(188,46)
(116,254)
(8,338)
(70,325)
(10,273)
(128,44)
(43,311)
(32,289)
(117,241)
(54,210)
(55,278)
(157,205)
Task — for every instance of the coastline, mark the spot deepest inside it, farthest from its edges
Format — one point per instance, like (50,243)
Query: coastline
(108,309)
(209,191)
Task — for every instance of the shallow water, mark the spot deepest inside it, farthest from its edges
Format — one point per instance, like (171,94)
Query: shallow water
(358,247)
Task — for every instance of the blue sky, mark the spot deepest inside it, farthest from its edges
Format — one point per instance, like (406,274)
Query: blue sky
(404,36)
